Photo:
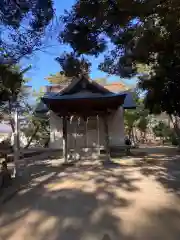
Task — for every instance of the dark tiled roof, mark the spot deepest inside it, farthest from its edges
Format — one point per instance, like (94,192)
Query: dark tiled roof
(54,92)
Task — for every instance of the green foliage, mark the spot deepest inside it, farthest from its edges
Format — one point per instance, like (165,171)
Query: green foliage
(134,32)
(174,140)
(58,78)
(162,130)
(142,123)
(38,130)
(12,83)
(13,93)
(24,22)
(130,118)
(73,66)
(11,80)
(38,124)
(14,12)
(137,118)
(37,94)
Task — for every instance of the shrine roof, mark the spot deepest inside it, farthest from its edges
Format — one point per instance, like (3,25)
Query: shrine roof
(83,105)
(83,91)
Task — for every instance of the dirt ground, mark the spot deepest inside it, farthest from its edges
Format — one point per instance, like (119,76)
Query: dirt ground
(136,198)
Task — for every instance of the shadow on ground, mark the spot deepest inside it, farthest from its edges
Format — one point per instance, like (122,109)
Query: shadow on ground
(164,166)
(161,163)
(70,211)
(82,202)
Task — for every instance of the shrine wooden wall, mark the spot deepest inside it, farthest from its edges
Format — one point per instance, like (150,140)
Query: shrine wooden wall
(116,131)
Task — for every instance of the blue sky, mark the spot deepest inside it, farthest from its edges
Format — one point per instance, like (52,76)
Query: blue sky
(43,63)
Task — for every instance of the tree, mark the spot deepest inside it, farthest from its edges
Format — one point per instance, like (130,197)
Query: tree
(24,23)
(145,32)
(58,78)
(138,118)
(12,91)
(143,118)
(12,96)
(37,128)
(142,125)
(130,119)
(73,66)
(163,131)
(10,82)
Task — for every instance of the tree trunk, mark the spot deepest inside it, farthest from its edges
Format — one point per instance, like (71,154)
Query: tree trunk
(176,128)
(16,144)
(98,135)
(144,136)
(12,124)
(47,143)
(133,136)
(31,138)
(136,137)
(10,116)
(129,133)
(65,150)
